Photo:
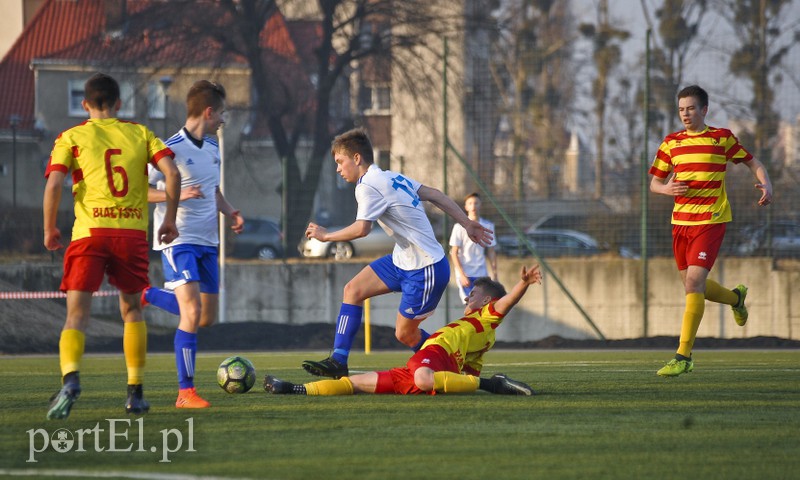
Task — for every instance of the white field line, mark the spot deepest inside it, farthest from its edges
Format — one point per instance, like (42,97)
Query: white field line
(710,364)
(35,472)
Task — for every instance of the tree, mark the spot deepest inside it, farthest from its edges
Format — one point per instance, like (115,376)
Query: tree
(532,71)
(293,107)
(678,26)
(607,56)
(763,45)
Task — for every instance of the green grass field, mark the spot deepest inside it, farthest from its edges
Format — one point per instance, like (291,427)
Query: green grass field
(600,414)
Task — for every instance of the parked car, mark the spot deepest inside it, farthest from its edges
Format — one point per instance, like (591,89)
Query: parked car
(376,243)
(785,240)
(261,238)
(550,242)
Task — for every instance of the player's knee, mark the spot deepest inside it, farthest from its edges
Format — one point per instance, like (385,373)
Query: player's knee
(76,321)
(353,292)
(130,312)
(423,379)
(207,321)
(408,337)
(192,313)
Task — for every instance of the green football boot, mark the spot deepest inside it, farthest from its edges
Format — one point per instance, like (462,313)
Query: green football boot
(675,367)
(740,310)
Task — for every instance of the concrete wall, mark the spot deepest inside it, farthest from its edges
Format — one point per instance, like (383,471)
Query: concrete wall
(607,289)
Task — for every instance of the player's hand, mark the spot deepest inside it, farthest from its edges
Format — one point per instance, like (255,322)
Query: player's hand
(479,234)
(531,275)
(766,194)
(315,231)
(464,280)
(238,221)
(192,191)
(52,239)
(167,233)
(675,188)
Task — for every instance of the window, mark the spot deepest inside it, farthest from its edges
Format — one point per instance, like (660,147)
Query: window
(384,160)
(75,98)
(382,98)
(126,91)
(375,99)
(156,96)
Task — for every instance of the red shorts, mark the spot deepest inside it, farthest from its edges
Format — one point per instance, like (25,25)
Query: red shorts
(124,259)
(697,244)
(401,380)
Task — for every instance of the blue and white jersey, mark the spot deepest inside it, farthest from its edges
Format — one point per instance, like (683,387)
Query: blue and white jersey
(197,217)
(391,199)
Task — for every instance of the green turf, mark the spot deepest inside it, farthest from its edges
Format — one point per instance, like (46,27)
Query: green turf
(600,414)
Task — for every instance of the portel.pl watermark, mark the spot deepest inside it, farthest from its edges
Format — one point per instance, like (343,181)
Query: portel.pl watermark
(111,435)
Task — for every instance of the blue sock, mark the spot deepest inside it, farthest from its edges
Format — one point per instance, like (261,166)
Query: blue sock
(163,299)
(185,352)
(425,336)
(347,325)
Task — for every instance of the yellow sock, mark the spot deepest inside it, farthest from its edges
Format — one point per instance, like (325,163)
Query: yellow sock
(719,294)
(695,306)
(342,386)
(70,350)
(134,344)
(450,382)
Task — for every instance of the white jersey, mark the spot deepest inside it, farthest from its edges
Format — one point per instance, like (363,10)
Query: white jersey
(197,217)
(471,254)
(391,199)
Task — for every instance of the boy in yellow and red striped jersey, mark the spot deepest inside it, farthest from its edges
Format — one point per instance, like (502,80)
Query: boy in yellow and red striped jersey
(108,158)
(450,360)
(690,166)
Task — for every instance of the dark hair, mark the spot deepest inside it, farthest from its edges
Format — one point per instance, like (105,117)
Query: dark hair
(101,91)
(492,288)
(695,91)
(352,142)
(202,95)
(472,195)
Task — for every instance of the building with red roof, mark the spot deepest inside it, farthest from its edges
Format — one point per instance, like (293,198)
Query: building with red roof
(66,41)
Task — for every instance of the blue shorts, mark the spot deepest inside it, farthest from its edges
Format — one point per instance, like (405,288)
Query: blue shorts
(191,263)
(421,289)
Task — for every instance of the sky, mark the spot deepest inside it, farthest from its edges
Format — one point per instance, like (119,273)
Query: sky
(707,65)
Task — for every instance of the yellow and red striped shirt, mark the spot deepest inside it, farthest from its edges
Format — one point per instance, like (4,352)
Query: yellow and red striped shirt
(700,160)
(468,338)
(108,159)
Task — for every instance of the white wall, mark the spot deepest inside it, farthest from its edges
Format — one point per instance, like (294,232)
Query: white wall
(608,289)
(11,24)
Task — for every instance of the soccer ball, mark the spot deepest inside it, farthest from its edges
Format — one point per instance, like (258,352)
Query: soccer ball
(236,375)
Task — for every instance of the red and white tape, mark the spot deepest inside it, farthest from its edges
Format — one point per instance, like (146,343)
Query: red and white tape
(32,295)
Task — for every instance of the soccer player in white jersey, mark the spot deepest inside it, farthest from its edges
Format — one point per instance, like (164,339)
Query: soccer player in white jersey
(470,260)
(191,270)
(417,267)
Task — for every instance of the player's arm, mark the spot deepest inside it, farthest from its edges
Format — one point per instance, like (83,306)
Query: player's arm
(764,184)
(50,203)
(527,277)
(477,232)
(667,186)
(230,211)
(357,229)
(457,266)
(491,260)
(455,250)
(172,179)
(155,195)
